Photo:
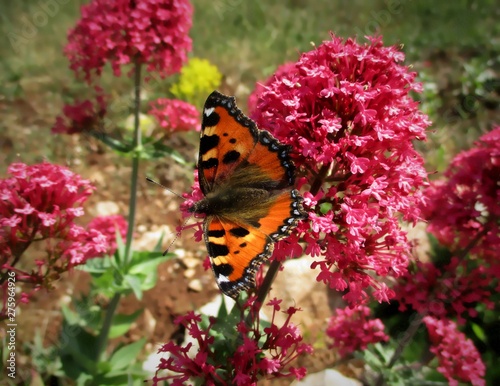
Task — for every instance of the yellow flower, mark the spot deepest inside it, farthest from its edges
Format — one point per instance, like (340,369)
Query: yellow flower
(198,79)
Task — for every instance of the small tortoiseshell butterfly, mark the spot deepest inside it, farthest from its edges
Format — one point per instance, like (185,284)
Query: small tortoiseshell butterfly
(247,177)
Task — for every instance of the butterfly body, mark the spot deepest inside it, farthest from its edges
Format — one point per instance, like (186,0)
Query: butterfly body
(247,178)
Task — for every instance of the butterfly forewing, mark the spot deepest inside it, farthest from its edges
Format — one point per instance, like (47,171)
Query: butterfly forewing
(227,139)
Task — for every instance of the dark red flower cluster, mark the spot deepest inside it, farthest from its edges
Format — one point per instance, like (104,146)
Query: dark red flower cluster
(465,208)
(459,360)
(352,329)
(182,361)
(453,290)
(154,32)
(463,214)
(38,204)
(175,115)
(82,116)
(281,345)
(345,109)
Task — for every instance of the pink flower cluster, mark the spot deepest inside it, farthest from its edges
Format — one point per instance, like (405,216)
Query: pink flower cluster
(82,116)
(154,32)
(175,115)
(459,360)
(253,99)
(108,226)
(243,367)
(39,204)
(465,206)
(346,110)
(351,329)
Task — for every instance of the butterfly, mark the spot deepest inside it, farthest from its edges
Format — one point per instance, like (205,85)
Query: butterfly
(247,178)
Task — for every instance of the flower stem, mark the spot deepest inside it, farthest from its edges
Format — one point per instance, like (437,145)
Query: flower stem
(106,326)
(403,342)
(113,305)
(135,162)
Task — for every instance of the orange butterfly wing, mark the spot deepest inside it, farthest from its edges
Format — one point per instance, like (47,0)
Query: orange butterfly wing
(227,138)
(247,177)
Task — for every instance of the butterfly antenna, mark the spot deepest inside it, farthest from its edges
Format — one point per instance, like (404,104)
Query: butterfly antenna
(164,187)
(177,235)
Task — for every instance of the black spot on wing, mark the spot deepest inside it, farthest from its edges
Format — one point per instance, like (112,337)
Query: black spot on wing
(209,163)
(232,140)
(208,142)
(215,250)
(231,157)
(243,245)
(254,223)
(222,269)
(216,233)
(211,120)
(239,232)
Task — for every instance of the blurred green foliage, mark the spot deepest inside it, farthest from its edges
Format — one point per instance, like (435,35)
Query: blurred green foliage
(456,44)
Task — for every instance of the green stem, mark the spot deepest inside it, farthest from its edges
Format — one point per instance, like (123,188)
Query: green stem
(135,163)
(404,340)
(113,305)
(106,326)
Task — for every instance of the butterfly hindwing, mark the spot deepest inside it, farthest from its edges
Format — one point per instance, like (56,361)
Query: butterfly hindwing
(236,252)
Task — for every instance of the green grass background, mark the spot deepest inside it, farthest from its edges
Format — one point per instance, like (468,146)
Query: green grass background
(454,45)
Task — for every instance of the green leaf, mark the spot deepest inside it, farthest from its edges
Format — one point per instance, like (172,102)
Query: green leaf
(145,267)
(478,331)
(96,266)
(70,316)
(126,355)
(134,283)
(105,284)
(116,145)
(157,247)
(222,309)
(121,323)
(158,150)
(325,207)
(120,250)
(77,351)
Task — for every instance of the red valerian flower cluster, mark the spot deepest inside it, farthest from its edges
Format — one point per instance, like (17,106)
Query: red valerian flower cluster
(108,226)
(463,214)
(253,98)
(82,116)
(351,329)
(453,290)
(38,204)
(459,360)
(175,115)
(260,354)
(464,207)
(154,32)
(346,111)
